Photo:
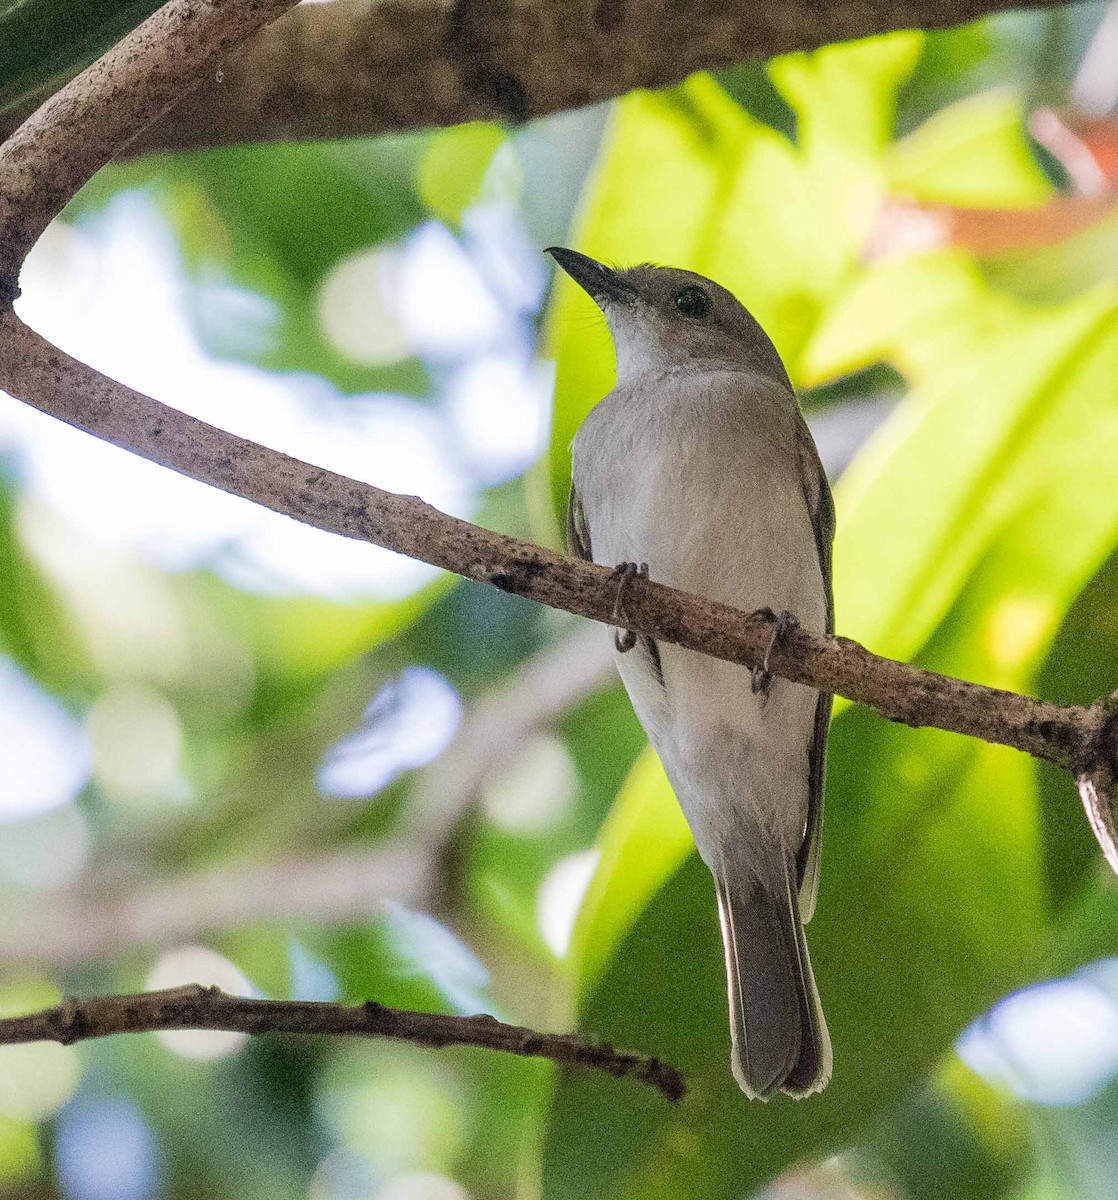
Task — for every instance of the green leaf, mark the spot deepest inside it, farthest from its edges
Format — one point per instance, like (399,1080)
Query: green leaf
(454,166)
(845,96)
(642,844)
(906,312)
(972,154)
(971,447)
(20,1153)
(956,1135)
(271,195)
(34,629)
(1061,270)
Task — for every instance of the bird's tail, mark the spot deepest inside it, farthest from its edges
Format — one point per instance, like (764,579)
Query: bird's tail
(779,1036)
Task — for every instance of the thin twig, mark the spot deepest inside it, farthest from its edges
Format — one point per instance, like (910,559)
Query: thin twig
(198,1007)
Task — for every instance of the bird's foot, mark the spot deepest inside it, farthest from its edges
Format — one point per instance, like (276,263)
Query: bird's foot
(625,639)
(761,679)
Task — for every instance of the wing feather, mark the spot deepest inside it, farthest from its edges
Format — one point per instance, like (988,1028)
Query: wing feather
(821,507)
(579,544)
(578,531)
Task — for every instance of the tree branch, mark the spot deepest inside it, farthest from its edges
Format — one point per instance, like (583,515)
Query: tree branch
(351,68)
(1082,740)
(198,1007)
(54,383)
(48,159)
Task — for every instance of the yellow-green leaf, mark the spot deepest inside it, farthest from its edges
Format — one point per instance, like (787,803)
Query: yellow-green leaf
(644,840)
(972,154)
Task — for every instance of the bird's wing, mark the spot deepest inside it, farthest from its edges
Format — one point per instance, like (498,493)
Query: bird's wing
(578,532)
(578,542)
(821,507)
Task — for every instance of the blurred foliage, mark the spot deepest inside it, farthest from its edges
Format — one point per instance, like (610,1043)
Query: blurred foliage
(978,535)
(242,221)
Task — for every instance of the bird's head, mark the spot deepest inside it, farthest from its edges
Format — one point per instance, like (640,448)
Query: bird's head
(662,317)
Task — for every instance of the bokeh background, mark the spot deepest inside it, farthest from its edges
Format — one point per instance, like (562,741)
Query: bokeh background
(240,751)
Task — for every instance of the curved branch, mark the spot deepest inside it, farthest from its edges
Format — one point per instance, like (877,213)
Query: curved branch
(351,68)
(198,1007)
(49,147)
(59,385)
(79,129)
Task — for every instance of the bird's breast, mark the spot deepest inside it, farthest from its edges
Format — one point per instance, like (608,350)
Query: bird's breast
(700,479)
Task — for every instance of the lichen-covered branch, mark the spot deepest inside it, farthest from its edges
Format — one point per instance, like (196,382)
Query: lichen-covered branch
(198,1007)
(351,68)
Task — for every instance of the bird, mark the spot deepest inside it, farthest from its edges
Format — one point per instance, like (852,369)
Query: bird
(698,470)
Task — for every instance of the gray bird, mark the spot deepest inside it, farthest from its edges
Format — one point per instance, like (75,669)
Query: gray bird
(700,465)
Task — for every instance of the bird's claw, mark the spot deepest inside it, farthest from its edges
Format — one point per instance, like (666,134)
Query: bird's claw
(623,638)
(761,680)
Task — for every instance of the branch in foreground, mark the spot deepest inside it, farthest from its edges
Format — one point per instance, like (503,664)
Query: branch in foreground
(53,154)
(1083,740)
(198,1007)
(351,68)
(94,116)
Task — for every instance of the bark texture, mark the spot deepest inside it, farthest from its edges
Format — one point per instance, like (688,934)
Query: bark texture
(352,68)
(53,382)
(197,1007)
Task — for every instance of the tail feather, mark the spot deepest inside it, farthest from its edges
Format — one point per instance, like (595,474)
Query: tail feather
(779,1036)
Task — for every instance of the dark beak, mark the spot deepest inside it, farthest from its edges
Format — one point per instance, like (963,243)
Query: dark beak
(602,283)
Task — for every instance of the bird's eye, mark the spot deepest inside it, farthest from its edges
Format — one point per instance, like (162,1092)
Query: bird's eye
(693,302)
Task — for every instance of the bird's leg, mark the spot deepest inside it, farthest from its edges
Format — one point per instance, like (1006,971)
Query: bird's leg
(625,639)
(762,680)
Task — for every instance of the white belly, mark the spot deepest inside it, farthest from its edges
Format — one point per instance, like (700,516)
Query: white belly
(700,480)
